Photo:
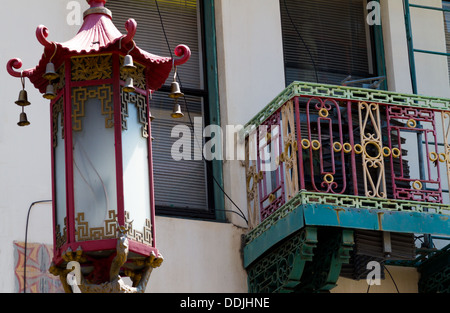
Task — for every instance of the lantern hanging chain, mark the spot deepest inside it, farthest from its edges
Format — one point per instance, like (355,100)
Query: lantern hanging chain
(132,48)
(240,213)
(22,80)
(26,241)
(54,52)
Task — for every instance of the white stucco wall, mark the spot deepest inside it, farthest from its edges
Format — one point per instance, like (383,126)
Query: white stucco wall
(25,152)
(251,73)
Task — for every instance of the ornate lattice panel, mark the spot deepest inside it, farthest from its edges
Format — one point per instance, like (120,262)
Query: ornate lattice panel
(288,157)
(373,152)
(324,162)
(85,232)
(271,176)
(409,126)
(252,179)
(96,67)
(282,268)
(445,117)
(140,102)
(79,97)
(142,236)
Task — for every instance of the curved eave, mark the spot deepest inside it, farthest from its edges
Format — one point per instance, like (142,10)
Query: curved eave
(97,35)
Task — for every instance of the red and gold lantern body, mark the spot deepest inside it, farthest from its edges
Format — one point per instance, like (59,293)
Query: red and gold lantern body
(103,200)
(102,163)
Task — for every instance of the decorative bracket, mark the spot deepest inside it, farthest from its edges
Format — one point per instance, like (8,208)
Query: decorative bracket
(116,283)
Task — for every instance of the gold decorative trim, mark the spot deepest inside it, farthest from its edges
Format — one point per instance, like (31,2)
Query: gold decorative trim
(61,238)
(373,166)
(92,67)
(140,102)
(144,236)
(79,97)
(58,110)
(85,233)
(289,156)
(252,183)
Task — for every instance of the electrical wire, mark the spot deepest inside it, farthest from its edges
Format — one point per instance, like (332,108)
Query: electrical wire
(26,240)
(240,213)
(392,278)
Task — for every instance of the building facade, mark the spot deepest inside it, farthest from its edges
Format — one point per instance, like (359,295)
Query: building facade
(245,54)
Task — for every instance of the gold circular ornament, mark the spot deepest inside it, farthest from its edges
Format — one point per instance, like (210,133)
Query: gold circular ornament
(328,178)
(358,149)
(433,156)
(411,123)
(378,149)
(417,185)
(396,152)
(347,147)
(306,144)
(337,147)
(323,112)
(315,144)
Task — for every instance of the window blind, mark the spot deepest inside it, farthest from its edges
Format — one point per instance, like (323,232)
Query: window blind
(325,40)
(179,185)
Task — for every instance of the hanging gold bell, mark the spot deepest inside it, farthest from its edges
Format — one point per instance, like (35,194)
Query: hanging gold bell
(177,111)
(129,87)
(23,121)
(50,73)
(50,92)
(23,98)
(175,92)
(128,64)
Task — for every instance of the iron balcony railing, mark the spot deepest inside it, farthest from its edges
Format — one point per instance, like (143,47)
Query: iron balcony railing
(347,147)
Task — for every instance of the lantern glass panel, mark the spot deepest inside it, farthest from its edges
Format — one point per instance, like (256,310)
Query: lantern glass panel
(136,178)
(94,159)
(59,170)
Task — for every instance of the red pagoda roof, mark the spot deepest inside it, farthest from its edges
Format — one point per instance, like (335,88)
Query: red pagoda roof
(99,34)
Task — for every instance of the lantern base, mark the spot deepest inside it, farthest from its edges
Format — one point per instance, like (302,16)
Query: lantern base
(89,284)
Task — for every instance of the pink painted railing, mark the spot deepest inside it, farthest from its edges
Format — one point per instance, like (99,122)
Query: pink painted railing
(340,146)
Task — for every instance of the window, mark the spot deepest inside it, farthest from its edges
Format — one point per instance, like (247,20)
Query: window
(326,41)
(181,187)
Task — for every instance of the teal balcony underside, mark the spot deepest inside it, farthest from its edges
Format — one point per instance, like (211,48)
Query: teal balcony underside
(349,218)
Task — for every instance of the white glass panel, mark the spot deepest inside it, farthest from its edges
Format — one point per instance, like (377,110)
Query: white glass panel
(135,171)
(94,166)
(60,177)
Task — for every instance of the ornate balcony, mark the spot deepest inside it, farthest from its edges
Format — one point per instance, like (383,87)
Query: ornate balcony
(340,176)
